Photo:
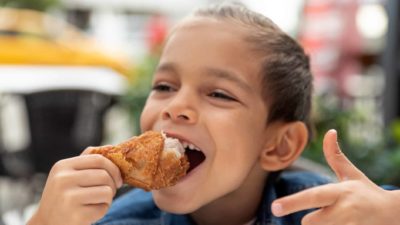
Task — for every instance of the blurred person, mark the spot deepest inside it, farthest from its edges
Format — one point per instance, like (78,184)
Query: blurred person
(231,83)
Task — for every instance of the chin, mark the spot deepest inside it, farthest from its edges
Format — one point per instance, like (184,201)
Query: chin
(173,205)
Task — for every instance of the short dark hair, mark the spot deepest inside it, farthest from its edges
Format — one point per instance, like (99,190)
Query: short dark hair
(285,71)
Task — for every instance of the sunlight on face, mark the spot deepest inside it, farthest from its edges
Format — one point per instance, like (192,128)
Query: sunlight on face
(206,92)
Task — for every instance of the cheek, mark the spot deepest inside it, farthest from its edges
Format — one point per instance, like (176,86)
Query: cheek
(240,136)
(242,127)
(247,136)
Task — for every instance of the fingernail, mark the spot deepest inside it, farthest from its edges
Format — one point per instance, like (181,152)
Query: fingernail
(277,209)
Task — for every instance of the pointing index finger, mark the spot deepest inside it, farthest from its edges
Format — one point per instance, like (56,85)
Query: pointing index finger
(316,197)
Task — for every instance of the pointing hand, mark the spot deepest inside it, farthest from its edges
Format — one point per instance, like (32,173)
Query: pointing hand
(354,199)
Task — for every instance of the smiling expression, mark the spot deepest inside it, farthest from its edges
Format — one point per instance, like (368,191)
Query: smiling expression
(207,92)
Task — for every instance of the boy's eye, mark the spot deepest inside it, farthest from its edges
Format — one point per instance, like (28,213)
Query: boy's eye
(162,88)
(221,95)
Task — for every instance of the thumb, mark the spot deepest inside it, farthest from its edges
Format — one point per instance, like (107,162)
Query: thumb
(340,164)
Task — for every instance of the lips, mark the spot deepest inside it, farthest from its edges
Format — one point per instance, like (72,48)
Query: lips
(194,154)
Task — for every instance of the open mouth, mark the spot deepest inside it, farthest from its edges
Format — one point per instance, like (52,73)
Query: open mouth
(194,155)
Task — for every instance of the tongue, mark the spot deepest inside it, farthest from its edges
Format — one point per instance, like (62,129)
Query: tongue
(195,158)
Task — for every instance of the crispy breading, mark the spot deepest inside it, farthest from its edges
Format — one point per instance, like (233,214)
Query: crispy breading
(144,164)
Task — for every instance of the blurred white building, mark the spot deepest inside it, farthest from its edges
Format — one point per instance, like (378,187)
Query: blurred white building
(120,25)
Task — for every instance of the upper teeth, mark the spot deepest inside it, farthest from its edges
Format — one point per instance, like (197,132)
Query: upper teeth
(190,146)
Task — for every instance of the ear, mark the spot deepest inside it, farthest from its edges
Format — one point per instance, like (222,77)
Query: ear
(288,142)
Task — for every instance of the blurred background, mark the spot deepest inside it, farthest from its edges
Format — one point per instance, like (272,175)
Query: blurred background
(75,73)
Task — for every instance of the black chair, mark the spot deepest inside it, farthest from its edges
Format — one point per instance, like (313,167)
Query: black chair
(62,123)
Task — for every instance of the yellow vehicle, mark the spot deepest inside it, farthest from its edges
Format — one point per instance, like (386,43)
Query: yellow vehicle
(55,89)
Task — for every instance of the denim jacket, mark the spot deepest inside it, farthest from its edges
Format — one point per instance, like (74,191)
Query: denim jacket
(137,206)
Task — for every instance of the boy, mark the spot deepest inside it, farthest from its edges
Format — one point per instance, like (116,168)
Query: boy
(238,89)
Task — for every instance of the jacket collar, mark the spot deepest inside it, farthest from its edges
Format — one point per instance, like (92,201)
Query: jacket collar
(264,215)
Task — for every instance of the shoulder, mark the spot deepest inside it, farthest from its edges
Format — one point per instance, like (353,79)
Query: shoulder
(135,207)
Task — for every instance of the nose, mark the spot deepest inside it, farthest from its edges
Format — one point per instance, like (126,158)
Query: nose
(181,109)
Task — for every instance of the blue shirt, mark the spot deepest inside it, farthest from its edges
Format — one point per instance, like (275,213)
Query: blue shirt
(138,208)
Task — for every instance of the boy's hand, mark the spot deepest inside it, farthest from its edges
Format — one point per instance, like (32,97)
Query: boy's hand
(353,200)
(78,191)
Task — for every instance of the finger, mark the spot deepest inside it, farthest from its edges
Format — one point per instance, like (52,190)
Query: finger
(95,177)
(316,197)
(339,163)
(315,217)
(96,161)
(94,195)
(334,214)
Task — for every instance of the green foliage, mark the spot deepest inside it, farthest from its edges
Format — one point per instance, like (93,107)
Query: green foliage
(41,5)
(377,156)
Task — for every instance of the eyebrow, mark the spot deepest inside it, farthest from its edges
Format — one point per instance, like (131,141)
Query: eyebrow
(214,72)
(228,75)
(167,67)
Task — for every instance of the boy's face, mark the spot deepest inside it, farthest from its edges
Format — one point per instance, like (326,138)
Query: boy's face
(207,92)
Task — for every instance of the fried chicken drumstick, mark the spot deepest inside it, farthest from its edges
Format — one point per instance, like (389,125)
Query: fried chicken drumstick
(149,161)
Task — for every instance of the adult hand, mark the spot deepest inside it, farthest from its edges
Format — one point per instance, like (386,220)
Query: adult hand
(354,200)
